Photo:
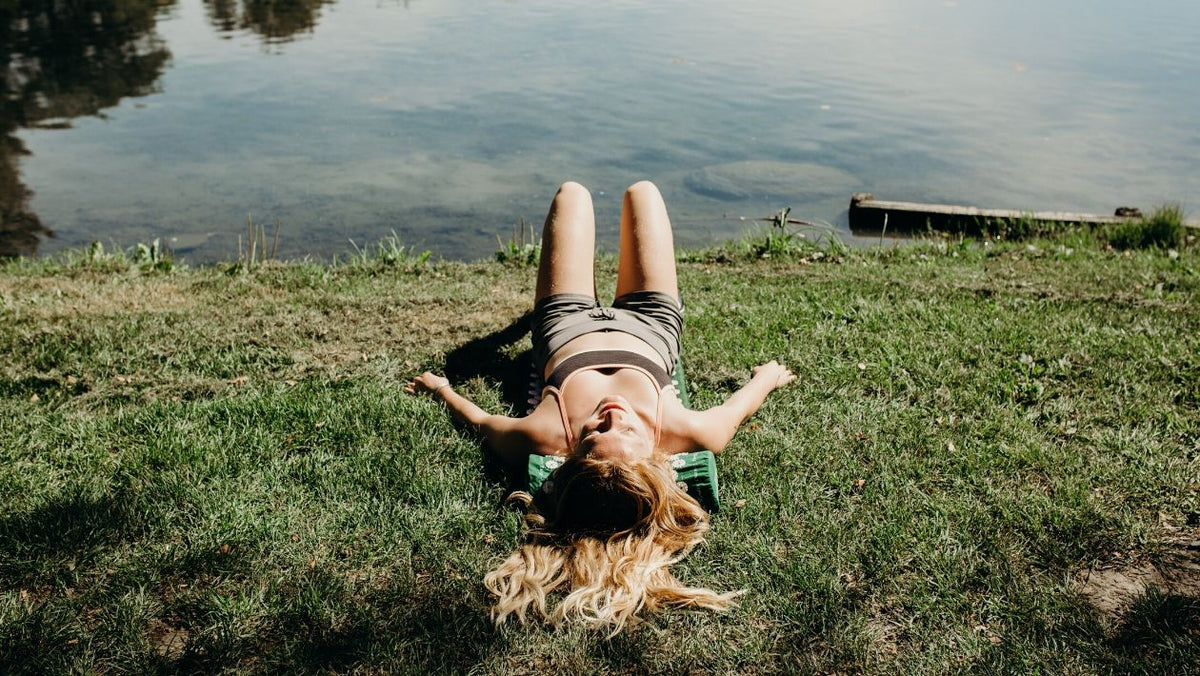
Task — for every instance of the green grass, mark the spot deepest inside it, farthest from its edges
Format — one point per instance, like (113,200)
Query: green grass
(209,469)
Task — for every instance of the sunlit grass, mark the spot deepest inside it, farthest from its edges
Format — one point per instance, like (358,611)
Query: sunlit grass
(211,469)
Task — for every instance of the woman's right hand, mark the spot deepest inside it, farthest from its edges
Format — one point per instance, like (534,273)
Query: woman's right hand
(775,373)
(426,383)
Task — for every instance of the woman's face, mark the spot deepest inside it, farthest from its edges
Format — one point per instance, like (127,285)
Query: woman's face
(615,431)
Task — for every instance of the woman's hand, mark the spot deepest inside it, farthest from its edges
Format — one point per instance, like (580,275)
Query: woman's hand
(426,383)
(716,426)
(503,435)
(775,373)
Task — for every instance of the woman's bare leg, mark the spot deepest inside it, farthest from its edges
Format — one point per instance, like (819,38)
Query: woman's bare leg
(647,260)
(568,244)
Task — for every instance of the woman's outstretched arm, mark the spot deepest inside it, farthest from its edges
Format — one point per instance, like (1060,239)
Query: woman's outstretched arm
(502,434)
(716,426)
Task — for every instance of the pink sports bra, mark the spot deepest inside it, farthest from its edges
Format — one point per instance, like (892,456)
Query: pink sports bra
(598,360)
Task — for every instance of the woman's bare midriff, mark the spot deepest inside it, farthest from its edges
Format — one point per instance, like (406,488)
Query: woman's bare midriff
(604,340)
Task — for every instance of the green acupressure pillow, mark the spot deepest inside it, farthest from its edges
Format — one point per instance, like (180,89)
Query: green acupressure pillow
(697,472)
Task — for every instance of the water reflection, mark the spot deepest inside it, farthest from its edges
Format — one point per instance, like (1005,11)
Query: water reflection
(64,60)
(275,20)
(20,229)
(379,119)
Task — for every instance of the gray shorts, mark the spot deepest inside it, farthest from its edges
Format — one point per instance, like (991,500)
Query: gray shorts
(653,316)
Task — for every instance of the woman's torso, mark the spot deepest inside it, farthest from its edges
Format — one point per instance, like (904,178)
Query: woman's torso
(586,387)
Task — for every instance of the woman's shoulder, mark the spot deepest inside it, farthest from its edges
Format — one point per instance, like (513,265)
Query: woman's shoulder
(682,428)
(543,430)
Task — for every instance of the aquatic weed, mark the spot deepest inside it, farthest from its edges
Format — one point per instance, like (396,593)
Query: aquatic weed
(522,248)
(389,252)
(255,253)
(1162,229)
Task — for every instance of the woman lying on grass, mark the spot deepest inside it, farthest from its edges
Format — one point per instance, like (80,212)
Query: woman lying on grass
(611,519)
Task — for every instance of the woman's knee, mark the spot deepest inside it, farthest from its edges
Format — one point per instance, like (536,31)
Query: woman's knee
(643,190)
(571,190)
(570,212)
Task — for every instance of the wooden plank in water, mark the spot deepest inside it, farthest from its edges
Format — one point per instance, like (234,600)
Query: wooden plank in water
(867,217)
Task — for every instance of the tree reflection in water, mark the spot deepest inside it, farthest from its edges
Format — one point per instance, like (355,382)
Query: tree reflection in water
(63,60)
(275,20)
(20,229)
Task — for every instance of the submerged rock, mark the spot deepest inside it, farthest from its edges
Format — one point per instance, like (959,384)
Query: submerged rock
(186,242)
(770,180)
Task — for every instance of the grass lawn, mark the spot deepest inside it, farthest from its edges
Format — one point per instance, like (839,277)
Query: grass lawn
(989,463)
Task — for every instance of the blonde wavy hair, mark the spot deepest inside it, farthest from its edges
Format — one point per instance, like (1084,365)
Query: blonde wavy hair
(605,533)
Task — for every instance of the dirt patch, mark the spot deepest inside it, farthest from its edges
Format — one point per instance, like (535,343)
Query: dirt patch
(1113,588)
(886,635)
(168,641)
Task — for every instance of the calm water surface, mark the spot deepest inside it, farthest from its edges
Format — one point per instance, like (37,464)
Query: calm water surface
(449,121)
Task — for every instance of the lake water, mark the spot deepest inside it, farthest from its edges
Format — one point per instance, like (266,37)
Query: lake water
(449,121)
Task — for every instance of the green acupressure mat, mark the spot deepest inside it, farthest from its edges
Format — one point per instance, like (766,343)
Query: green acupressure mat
(696,471)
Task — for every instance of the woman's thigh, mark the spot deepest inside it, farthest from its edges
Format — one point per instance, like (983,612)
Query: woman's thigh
(568,244)
(647,259)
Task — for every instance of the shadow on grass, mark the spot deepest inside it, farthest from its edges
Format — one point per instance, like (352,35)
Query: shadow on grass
(626,652)
(1159,634)
(65,533)
(44,388)
(329,628)
(496,357)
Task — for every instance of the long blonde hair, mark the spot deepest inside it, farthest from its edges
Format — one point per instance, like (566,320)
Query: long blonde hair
(605,533)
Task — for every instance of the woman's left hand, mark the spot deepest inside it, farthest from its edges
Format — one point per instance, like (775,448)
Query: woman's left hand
(775,373)
(427,383)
